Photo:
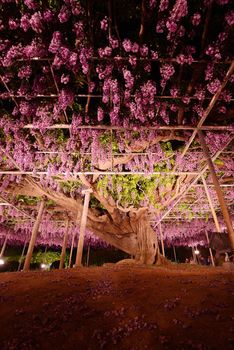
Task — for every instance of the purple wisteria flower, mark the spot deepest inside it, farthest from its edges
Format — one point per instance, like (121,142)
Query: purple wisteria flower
(196,19)
(104,24)
(65,99)
(32,4)
(36,22)
(163,5)
(55,42)
(25,72)
(64,14)
(213,86)
(13,23)
(25,22)
(48,16)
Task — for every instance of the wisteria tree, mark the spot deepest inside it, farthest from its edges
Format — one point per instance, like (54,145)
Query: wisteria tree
(106,97)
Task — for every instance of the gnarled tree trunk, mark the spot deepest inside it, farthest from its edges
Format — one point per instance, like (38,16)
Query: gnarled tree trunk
(128,230)
(131,233)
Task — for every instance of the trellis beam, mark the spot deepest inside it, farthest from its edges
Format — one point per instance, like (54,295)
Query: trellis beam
(119,58)
(218,190)
(134,128)
(157,97)
(105,173)
(76,174)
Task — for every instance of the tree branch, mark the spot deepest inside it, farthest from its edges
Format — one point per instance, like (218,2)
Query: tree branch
(142,145)
(110,208)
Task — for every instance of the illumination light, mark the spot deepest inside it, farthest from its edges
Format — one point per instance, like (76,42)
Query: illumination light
(196,251)
(2,262)
(45,266)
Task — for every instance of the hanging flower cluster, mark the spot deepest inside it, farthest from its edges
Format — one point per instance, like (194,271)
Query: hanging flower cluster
(60,65)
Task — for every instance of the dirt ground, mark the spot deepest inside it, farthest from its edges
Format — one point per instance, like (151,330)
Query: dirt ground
(117,307)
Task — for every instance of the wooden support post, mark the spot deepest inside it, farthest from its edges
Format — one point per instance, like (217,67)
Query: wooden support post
(82,228)
(71,251)
(4,246)
(218,228)
(65,239)
(210,250)
(161,239)
(218,189)
(174,251)
(34,236)
(22,255)
(73,241)
(88,254)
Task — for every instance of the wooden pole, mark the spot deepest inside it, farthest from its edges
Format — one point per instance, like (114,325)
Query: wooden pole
(71,251)
(65,239)
(82,228)
(22,254)
(218,228)
(88,254)
(210,250)
(73,240)
(218,189)
(34,236)
(174,251)
(106,127)
(4,246)
(161,239)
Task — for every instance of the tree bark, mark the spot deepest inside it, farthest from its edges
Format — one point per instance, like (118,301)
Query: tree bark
(128,230)
(131,233)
